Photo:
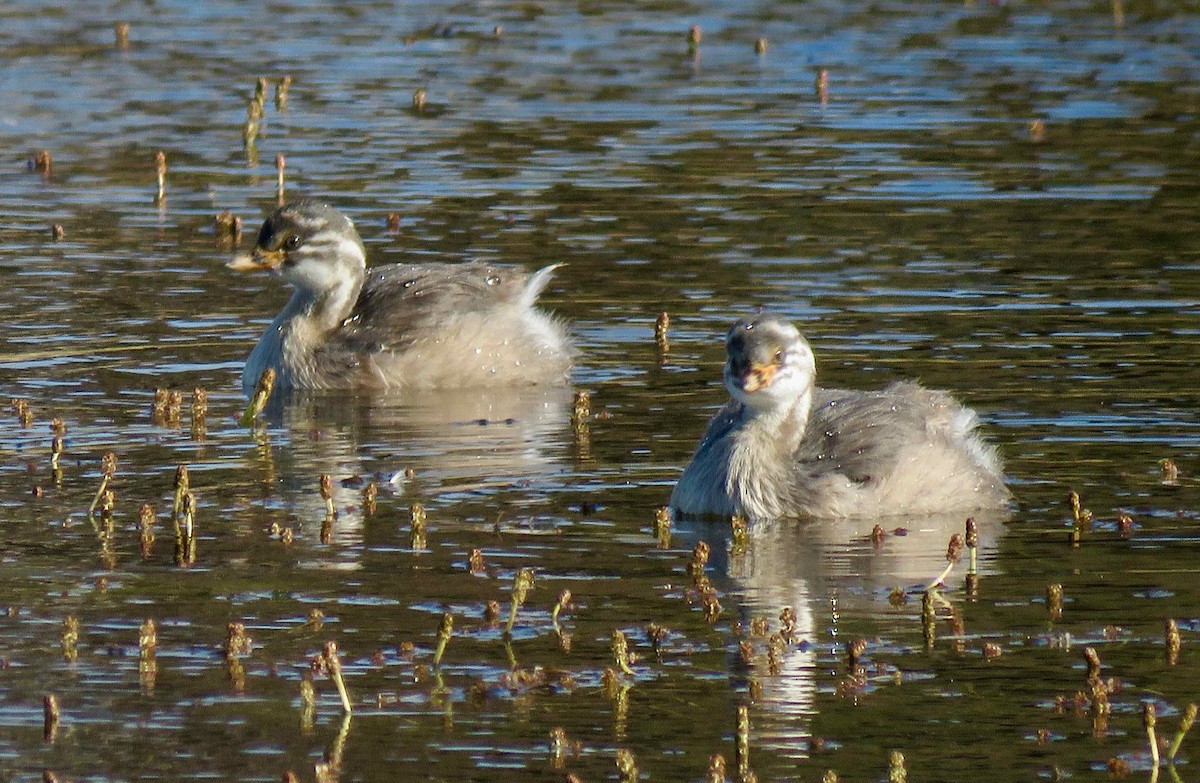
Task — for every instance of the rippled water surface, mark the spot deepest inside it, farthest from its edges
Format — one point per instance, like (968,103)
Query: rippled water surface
(997,198)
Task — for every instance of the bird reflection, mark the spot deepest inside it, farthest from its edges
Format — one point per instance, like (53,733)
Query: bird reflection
(822,569)
(444,445)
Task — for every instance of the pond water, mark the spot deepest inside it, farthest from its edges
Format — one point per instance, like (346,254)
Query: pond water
(997,198)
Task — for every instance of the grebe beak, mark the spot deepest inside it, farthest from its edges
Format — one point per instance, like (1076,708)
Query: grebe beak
(758,376)
(258,259)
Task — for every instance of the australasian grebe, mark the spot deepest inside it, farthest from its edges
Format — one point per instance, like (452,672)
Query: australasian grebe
(781,447)
(411,326)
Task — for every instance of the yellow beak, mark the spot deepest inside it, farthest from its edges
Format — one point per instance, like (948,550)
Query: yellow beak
(758,376)
(257,259)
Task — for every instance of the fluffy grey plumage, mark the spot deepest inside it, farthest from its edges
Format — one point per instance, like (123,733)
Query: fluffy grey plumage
(420,326)
(783,448)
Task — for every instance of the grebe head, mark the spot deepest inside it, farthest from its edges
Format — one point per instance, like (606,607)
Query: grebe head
(315,247)
(770,365)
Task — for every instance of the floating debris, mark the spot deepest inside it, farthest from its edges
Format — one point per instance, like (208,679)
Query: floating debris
(694,36)
(41,161)
(57,232)
(822,85)
(1037,131)
(199,413)
(121,35)
(760,45)
(418,100)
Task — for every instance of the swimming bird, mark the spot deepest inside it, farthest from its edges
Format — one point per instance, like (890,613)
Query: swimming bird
(782,447)
(405,326)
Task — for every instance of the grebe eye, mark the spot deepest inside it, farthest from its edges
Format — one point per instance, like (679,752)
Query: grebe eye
(779,357)
(291,243)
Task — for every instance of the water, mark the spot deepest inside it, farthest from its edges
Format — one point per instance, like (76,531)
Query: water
(994,198)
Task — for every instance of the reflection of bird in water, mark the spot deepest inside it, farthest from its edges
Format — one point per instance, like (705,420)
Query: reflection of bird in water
(781,447)
(468,446)
(833,575)
(422,326)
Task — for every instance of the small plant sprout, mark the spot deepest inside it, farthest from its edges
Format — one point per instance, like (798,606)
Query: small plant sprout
(1170,472)
(662,337)
(418,100)
(1185,725)
(620,650)
(237,642)
(662,526)
(896,771)
(70,638)
(626,766)
(370,495)
(694,36)
(564,601)
(282,88)
(333,664)
(739,538)
(445,631)
(716,769)
(760,45)
(56,450)
(971,539)
(51,715)
(1173,640)
(160,170)
(182,486)
(475,563)
(742,748)
(199,412)
(581,408)
(1150,720)
(522,584)
(1054,601)
(417,539)
(326,486)
(280,165)
(108,469)
(928,619)
(121,35)
(147,638)
(258,400)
